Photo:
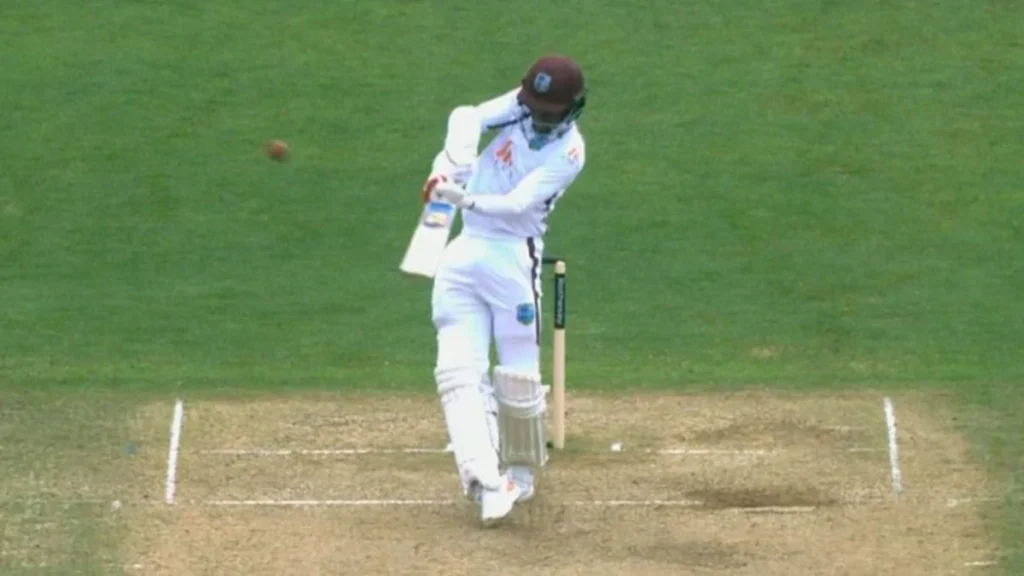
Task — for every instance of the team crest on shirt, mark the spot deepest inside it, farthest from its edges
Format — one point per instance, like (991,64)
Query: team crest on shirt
(504,154)
(574,157)
(505,159)
(525,314)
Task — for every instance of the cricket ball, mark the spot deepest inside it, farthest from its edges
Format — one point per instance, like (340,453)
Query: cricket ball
(277,149)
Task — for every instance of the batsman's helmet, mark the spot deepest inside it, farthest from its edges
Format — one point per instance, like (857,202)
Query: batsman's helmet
(554,88)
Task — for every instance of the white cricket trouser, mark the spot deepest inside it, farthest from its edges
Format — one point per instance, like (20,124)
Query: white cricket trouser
(489,288)
(485,290)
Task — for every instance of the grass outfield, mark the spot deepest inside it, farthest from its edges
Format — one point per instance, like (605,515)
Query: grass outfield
(785,193)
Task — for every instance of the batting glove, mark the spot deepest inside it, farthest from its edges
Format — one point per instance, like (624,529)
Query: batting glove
(431,183)
(453,193)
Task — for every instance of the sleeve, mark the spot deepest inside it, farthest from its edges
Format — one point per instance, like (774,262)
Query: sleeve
(539,187)
(467,123)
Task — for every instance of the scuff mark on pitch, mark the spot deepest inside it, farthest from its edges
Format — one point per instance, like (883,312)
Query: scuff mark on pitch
(693,554)
(777,497)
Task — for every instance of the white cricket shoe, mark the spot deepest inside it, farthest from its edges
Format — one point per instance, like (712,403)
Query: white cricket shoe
(474,491)
(496,503)
(523,477)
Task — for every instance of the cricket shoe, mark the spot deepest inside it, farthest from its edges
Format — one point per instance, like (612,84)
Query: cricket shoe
(474,490)
(496,503)
(523,477)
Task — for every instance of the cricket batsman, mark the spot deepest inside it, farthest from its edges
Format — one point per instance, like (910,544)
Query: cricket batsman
(488,285)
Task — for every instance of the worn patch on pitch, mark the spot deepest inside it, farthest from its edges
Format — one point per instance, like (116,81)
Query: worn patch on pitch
(743,483)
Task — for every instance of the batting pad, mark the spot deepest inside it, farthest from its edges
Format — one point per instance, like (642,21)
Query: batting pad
(521,407)
(466,420)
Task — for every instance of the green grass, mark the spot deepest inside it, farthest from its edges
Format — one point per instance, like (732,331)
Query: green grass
(837,183)
(61,466)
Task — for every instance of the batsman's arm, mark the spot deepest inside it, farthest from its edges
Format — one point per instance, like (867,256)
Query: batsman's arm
(467,123)
(539,187)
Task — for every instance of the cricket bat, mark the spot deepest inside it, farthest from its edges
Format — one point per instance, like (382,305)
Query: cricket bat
(423,256)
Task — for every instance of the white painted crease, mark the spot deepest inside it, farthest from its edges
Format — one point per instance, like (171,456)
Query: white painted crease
(362,451)
(856,498)
(429,502)
(323,452)
(709,452)
(577,503)
(172,451)
(616,448)
(894,453)
(353,503)
(954,502)
(616,503)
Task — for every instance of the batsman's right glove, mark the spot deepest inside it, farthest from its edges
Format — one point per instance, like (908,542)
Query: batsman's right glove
(431,183)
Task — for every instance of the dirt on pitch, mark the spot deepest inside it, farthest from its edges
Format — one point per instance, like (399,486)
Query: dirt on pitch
(752,483)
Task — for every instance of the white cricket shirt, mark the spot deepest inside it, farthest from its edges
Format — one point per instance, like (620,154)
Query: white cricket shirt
(528,182)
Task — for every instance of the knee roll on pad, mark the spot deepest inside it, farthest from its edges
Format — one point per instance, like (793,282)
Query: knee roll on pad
(521,407)
(521,393)
(451,379)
